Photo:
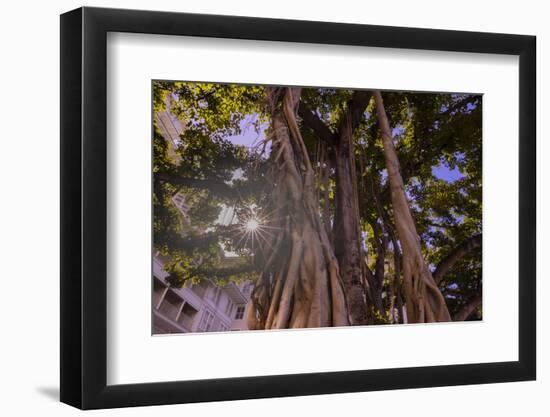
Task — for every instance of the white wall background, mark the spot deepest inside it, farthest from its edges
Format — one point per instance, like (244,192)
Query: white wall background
(29,219)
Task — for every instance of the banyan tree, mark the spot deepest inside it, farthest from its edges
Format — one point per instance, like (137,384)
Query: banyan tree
(342,207)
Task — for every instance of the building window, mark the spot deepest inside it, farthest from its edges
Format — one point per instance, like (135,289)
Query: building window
(171,305)
(159,290)
(239,314)
(187,315)
(206,321)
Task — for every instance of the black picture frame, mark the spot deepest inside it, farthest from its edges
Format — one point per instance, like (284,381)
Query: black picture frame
(84,207)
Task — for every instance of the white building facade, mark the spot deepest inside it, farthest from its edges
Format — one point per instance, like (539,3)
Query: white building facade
(203,307)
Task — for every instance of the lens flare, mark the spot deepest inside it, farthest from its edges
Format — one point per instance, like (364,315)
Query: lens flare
(251,225)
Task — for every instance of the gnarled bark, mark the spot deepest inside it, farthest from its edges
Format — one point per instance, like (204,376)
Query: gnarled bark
(347,230)
(376,279)
(424,300)
(397,300)
(300,285)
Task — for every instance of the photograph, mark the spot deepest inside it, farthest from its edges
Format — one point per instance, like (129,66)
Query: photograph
(309,204)
(284,207)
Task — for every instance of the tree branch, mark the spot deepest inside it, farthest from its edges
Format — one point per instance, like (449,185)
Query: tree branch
(218,187)
(463,102)
(313,121)
(196,242)
(456,255)
(226,271)
(469,308)
(357,106)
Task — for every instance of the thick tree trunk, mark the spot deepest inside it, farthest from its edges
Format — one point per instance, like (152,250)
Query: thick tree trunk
(300,285)
(376,279)
(324,180)
(424,301)
(397,300)
(346,238)
(347,229)
(381,235)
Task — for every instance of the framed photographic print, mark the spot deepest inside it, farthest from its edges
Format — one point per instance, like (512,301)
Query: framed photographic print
(257,208)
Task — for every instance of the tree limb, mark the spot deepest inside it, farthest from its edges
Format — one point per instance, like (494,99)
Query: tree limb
(469,308)
(463,102)
(226,271)
(313,121)
(216,186)
(196,242)
(456,255)
(357,106)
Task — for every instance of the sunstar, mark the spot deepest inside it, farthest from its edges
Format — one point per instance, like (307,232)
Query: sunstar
(251,225)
